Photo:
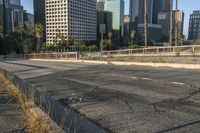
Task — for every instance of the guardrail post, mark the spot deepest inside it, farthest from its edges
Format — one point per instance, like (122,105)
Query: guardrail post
(76,55)
(157,50)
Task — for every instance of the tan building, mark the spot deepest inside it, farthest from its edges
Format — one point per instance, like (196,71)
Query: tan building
(74,19)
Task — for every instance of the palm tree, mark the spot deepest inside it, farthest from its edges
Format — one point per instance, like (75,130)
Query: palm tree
(171,19)
(110,39)
(176,18)
(145,22)
(39,29)
(132,36)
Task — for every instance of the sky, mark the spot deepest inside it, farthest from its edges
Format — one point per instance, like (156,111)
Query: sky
(186,5)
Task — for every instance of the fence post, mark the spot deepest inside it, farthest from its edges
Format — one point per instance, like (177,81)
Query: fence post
(76,55)
(193,48)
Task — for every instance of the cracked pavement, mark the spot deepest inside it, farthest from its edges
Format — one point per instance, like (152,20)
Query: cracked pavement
(124,99)
(12,117)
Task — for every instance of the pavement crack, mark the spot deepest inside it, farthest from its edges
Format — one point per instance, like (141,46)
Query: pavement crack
(194,93)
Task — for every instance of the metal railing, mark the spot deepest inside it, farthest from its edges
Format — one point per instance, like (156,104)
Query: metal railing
(60,55)
(189,50)
(169,50)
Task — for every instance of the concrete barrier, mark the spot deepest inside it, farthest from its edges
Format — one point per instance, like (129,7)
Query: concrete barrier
(68,119)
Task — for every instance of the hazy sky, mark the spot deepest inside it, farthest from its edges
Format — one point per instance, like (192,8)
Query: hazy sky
(186,5)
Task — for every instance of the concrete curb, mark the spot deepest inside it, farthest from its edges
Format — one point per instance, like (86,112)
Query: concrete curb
(185,66)
(70,120)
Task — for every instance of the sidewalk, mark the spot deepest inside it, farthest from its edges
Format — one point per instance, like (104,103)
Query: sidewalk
(11,115)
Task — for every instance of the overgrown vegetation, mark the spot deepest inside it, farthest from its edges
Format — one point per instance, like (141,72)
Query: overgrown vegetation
(34,123)
(178,52)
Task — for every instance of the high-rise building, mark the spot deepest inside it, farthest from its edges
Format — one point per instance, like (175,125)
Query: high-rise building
(1,17)
(15,2)
(39,11)
(136,11)
(13,15)
(164,21)
(74,19)
(153,8)
(100,5)
(194,25)
(117,9)
(153,30)
(104,17)
(160,6)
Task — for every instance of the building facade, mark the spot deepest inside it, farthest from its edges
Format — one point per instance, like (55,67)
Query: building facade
(74,19)
(136,11)
(104,17)
(13,15)
(117,9)
(164,21)
(15,2)
(154,31)
(194,25)
(100,5)
(1,17)
(160,6)
(39,11)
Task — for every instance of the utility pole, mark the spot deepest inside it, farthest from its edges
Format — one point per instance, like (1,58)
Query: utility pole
(176,18)
(171,19)
(145,23)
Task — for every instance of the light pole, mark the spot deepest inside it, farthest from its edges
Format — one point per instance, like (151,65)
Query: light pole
(145,22)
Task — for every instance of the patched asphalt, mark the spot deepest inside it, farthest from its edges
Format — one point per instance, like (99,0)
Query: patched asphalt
(124,99)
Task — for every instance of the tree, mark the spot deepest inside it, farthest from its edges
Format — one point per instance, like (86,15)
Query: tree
(171,22)
(176,30)
(132,36)
(110,39)
(28,29)
(39,29)
(20,29)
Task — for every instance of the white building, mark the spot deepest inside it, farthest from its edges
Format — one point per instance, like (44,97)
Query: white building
(74,19)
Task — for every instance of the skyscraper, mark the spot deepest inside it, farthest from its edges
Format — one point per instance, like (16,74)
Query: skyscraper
(104,17)
(13,15)
(15,2)
(194,25)
(160,6)
(39,11)
(164,21)
(74,19)
(117,9)
(136,11)
(153,7)
(100,5)
(1,17)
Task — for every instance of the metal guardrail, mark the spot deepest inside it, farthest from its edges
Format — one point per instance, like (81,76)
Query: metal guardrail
(170,50)
(60,55)
(189,50)
(70,120)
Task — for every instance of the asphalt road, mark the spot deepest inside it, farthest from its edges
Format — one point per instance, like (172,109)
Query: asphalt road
(125,99)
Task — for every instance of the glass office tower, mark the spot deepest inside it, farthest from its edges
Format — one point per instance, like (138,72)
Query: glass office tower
(117,9)
(1,16)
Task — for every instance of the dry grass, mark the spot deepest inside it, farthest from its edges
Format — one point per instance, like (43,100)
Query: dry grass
(34,123)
